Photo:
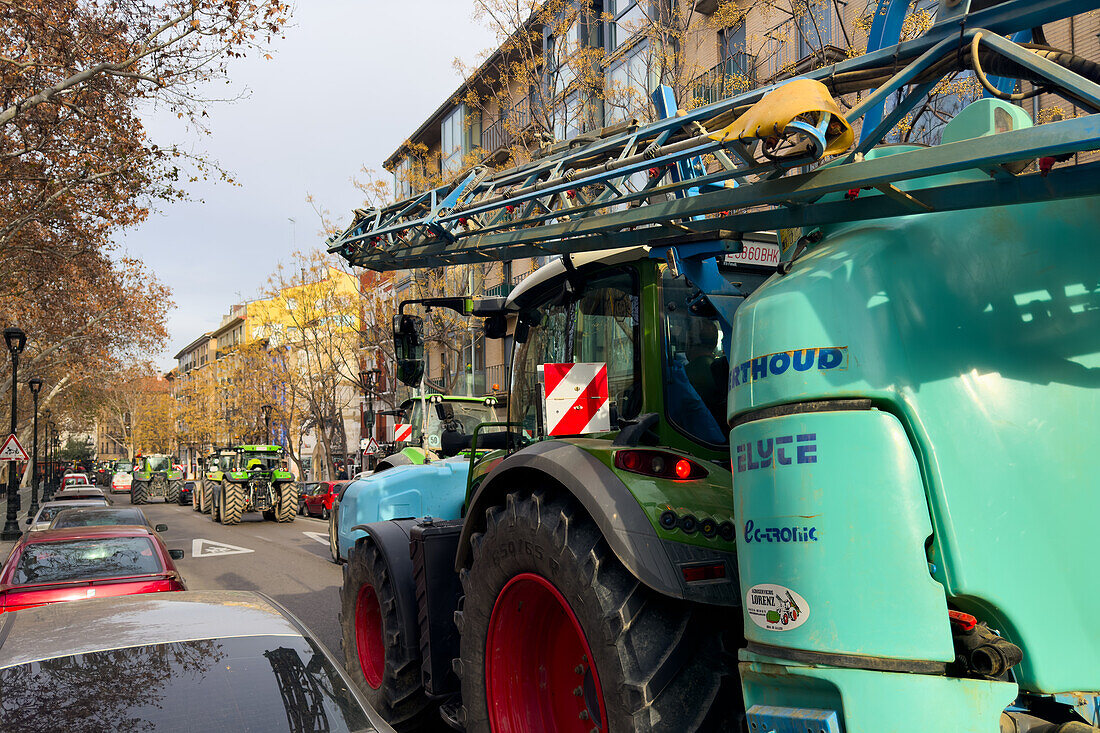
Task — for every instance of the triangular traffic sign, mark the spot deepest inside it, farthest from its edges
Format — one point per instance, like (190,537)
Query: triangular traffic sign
(12,451)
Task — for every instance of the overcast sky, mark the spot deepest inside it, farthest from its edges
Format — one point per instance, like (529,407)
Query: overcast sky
(351,80)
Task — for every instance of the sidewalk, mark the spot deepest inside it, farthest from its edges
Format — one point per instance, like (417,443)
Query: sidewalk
(24,505)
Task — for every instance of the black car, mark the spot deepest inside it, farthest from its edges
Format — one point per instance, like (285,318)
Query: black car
(251,664)
(187,493)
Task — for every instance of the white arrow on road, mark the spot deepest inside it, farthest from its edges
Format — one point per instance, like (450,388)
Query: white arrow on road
(319,536)
(210,548)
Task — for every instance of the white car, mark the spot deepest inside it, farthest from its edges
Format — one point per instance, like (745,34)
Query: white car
(50,509)
(120,482)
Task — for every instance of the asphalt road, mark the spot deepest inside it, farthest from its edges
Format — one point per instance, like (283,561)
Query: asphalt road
(289,562)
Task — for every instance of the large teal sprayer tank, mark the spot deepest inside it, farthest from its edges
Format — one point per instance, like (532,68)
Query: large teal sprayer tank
(913,409)
(912,394)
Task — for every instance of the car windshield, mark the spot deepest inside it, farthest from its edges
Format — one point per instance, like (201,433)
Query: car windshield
(158,463)
(87,559)
(78,478)
(95,517)
(251,683)
(123,467)
(48,512)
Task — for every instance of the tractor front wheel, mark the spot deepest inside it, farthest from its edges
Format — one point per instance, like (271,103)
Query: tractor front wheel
(377,660)
(333,537)
(172,495)
(557,635)
(139,492)
(232,503)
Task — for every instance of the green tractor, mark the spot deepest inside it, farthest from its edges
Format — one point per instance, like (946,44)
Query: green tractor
(215,463)
(253,481)
(154,476)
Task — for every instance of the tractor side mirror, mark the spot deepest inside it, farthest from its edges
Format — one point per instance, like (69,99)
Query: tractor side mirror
(445,412)
(175,554)
(496,326)
(408,348)
(162,528)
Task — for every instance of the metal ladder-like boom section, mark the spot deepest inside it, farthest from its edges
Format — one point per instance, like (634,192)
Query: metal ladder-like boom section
(731,166)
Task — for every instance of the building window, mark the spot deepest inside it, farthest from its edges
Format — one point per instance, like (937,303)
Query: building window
(815,27)
(630,81)
(402,179)
(569,119)
(627,18)
(453,138)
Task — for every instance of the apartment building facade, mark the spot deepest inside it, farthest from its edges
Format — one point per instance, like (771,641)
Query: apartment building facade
(573,68)
(271,352)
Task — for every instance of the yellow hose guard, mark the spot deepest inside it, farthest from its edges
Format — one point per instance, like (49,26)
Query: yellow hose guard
(779,106)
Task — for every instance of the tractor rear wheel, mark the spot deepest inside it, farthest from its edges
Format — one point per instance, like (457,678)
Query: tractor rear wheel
(232,504)
(557,635)
(139,492)
(288,502)
(172,494)
(376,657)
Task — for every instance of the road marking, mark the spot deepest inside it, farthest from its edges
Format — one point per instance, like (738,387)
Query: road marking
(210,548)
(319,536)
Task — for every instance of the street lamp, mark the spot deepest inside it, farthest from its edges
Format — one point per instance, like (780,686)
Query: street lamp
(35,384)
(266,409)
(16,340)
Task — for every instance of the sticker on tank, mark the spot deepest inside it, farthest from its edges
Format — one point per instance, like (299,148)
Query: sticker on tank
(776,607)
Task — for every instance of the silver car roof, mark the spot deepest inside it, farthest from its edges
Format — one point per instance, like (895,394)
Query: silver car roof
(99,624)
(73,504)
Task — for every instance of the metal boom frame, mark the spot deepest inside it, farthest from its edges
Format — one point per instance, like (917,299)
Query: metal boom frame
(641,183)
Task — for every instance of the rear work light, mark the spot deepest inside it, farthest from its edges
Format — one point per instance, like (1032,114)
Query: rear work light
(659,464)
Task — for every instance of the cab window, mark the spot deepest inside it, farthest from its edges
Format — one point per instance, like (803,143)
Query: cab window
(599,325)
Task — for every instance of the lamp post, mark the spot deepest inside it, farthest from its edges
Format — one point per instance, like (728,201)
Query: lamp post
(36,386)
(266,409)
(16,340)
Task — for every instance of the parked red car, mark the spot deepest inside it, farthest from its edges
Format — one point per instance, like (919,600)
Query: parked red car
(87,562)
(317,498)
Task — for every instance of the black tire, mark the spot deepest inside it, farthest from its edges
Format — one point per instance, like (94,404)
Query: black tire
(324,513)
(215,514)
(333,527)
(196,495)
(139,492)
(400,697)
(662,663)
(232,503)
(288,502)
(172,493)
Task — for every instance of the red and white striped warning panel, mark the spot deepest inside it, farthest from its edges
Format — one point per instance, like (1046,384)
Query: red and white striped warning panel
(575,398)
(402,431)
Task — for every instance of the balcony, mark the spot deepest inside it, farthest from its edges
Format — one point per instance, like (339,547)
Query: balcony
(733,75)
(803,43)
(498,137)
(500,290)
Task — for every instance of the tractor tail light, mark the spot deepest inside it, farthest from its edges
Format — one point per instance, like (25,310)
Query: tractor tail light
(697,573)
(659,464)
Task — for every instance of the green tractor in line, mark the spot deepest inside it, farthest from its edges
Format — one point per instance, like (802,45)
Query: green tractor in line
(155,476)
(254,481)
(215,464)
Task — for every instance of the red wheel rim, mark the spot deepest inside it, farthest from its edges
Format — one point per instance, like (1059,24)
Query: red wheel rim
(368,636)
(539,674)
